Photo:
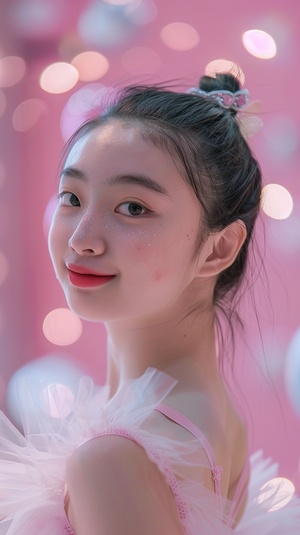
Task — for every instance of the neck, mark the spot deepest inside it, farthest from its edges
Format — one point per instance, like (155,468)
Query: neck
(184,348)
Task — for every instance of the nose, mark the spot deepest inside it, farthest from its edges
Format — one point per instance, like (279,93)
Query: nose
(87,238)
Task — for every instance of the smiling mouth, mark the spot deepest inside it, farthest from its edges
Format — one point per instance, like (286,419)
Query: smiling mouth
(87,280)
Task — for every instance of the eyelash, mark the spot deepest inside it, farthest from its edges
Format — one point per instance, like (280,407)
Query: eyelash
(63,193)
(61,196)
(145,210)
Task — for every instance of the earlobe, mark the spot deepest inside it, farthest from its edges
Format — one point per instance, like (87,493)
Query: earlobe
(223,249)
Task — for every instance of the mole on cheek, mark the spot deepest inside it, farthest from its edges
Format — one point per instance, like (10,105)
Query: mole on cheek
(157,276)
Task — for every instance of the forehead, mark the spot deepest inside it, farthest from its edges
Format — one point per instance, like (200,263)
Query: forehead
(126,148)
(122,138)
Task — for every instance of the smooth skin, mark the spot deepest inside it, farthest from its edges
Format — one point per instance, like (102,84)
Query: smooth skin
(125,210)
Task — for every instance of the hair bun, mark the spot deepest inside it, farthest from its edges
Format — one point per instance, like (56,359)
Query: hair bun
(222,81)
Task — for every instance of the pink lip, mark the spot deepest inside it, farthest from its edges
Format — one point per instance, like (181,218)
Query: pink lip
(86,278)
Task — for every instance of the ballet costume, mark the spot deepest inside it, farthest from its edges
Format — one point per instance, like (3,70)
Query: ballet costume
(33,465)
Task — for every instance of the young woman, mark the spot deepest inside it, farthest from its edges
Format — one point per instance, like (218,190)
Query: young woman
(157,203)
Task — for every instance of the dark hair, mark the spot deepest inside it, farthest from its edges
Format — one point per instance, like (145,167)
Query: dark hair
(205,139)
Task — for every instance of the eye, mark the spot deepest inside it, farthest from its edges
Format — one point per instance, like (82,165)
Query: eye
(67,198)
(131,209)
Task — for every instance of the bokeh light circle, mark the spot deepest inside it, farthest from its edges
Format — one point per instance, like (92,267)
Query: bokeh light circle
(218,66)
(278,492)
(276,201)
(62,327)
(179,36)
(90,65)
(59,77)
(12,70)
(27,113)
(260,44)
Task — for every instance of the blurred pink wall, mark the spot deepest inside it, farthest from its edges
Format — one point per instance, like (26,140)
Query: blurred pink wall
(30,162)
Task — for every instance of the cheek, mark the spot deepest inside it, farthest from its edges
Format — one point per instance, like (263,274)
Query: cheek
(158,275)
(56,237)
(152,260)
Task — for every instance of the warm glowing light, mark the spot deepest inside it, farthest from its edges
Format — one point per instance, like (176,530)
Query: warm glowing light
(59,78)
(3,268)
(276,201)
(90,65)
(260,44)
(59,400)
(2,102)
(141,58)
(278,491)
(218,66)
(179,36)
(28,113)
(12,70)
(62,327)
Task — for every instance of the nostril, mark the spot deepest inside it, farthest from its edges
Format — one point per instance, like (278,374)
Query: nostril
(87,245)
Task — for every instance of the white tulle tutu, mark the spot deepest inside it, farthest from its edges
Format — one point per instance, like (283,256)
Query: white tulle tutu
(33,465)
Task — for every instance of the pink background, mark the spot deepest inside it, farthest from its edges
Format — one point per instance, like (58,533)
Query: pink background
(29,163)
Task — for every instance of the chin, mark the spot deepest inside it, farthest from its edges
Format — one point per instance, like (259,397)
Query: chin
(87,314)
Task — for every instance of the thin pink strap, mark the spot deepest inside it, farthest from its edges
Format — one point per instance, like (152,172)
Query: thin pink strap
(182,420)
(162,462)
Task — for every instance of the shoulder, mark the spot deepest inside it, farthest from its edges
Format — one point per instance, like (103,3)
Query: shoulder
(103,449)
(115,488)
(216,417)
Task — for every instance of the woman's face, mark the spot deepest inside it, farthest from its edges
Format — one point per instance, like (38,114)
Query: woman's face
(123,235)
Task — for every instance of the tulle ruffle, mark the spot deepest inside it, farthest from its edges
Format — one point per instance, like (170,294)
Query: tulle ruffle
(33,464)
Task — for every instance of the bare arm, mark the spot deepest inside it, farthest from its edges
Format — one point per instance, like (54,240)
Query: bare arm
(115,489)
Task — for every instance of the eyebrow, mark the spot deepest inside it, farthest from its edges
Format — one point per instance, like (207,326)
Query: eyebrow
(130,178)
(72,173)
(138,180)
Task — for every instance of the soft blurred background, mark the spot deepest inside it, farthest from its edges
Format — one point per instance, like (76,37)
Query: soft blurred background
(58,60)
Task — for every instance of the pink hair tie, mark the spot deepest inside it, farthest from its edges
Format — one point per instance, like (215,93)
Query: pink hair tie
(249,122)
(227,99)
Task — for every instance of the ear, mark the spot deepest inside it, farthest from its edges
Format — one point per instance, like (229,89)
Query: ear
(222,249)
